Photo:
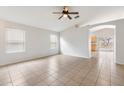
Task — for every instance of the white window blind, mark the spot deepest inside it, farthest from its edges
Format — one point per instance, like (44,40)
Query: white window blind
(15,40)
(53,41)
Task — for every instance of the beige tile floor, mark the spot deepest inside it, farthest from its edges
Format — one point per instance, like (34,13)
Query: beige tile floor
(61,70)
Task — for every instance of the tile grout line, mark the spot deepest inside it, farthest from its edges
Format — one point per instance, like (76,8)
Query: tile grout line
(110,74)
(10,77)
(87,74)
(99,73)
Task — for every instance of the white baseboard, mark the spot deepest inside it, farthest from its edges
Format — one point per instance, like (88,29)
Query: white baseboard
(77,56)
(120,63)
(28,58)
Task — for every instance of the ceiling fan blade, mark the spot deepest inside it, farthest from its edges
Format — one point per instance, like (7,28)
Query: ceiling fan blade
(60,17)
(69,17)
(77,16)
(73,12)
(57,12)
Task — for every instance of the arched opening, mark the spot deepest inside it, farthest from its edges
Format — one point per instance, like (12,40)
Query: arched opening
(102,39)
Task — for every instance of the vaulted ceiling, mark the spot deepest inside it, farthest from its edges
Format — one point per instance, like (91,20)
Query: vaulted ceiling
(42,17)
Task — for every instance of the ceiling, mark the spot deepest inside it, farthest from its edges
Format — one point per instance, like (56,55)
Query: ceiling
(42,17)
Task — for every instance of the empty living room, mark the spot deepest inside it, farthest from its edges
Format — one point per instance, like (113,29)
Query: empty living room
(61,45)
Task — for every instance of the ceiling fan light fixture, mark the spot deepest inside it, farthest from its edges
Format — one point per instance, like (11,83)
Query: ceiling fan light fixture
(65,15)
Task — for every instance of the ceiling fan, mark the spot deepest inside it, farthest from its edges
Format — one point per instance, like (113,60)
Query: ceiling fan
(66,13)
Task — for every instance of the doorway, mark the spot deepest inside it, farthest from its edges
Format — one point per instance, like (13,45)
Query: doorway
(102,40)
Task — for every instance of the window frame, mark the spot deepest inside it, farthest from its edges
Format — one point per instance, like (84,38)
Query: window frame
(51,42)
(8,42)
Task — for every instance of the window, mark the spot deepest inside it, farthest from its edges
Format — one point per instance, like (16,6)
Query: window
(15,40)
(53,41)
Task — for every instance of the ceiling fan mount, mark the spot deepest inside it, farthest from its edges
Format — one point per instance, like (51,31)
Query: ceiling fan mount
(66,13)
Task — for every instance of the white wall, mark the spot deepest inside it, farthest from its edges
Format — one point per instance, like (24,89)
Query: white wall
(74,42)
(119,59)
(37,43)
(120,42)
